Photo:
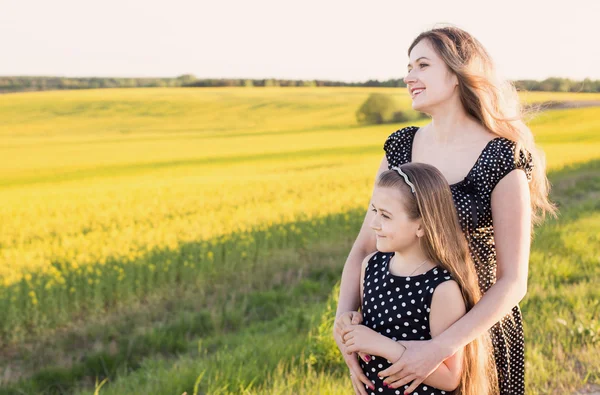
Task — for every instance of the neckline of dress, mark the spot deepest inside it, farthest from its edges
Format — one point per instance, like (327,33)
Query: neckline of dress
(391,255)
(410,149)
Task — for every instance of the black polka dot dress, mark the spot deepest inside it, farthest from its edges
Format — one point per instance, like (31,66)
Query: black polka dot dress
(397,307)
(472,199)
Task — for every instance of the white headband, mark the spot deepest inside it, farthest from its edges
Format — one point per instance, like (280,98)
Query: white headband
(405,176)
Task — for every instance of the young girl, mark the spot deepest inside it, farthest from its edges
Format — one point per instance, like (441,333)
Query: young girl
(420,280)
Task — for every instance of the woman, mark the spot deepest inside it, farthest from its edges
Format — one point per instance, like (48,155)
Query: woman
(478,142)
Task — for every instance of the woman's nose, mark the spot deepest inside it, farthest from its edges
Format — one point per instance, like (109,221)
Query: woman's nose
(409,77)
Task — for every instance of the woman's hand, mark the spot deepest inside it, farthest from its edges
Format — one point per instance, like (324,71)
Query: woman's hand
(357,384)
(419,360)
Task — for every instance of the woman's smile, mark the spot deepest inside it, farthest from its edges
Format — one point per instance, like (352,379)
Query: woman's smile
(417,91)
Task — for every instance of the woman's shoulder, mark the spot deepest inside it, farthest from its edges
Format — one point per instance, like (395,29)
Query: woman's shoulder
(502,157)
(407,131)
(398,145)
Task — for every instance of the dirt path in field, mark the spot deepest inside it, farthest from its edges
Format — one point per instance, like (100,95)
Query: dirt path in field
(590,389)
(563,105)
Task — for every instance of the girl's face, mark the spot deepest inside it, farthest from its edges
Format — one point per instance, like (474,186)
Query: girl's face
(395,231)
(429,81)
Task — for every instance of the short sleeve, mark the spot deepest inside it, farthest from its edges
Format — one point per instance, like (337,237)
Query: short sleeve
(504,161)
(525,163)
(398,146)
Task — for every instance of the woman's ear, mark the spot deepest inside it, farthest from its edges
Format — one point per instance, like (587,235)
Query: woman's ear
(453,78)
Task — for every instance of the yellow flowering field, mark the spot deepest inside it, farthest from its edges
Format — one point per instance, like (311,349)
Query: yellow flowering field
(108,195)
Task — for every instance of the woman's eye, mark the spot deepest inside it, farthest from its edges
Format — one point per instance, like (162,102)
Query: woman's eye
(423,65)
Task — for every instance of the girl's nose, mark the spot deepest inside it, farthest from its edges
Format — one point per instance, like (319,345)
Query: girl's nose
(374,224)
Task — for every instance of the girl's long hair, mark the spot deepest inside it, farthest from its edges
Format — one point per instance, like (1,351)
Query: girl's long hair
(493,102)
(444,243)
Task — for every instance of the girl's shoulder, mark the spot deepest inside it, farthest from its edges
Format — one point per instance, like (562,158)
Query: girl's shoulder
(447,306)
(434,279)
(369,258)
(444,287)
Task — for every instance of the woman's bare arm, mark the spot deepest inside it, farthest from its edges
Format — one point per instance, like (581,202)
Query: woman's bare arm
(365,243)
(349,297)
(511,213)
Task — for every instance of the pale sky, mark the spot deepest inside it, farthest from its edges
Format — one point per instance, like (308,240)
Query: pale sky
(345,40)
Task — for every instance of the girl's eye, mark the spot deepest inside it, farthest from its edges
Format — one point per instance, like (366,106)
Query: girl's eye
(383,215)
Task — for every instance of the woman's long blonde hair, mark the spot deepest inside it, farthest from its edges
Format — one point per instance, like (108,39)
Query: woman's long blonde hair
(444,243)
(493,102)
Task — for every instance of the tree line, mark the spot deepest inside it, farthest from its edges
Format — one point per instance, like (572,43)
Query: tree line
(25,83)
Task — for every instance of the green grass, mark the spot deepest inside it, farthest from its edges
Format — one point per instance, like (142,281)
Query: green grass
(277,340)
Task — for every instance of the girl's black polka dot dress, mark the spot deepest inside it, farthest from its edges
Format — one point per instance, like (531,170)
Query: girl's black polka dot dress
(397,307)
(472,199)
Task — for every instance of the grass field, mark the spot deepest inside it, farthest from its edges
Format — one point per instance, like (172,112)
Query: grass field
(177,238)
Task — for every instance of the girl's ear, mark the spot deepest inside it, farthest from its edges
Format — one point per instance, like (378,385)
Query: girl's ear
(420,230)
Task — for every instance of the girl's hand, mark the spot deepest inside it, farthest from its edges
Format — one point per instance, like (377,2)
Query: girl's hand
(419,360)
(359,338)
(347,318)
(350,318)
(358,377)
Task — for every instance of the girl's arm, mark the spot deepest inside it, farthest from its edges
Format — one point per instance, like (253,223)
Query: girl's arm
(511,212)
(447,306)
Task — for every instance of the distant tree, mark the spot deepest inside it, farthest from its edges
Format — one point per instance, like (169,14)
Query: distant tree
(407,116)
(185,79)
(378,108)
(22,83)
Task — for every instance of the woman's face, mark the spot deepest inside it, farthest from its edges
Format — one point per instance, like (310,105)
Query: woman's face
(429,81)
(394,230)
